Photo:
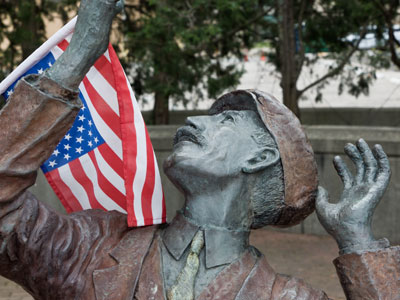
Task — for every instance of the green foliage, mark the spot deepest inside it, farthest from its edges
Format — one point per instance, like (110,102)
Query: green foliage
(181,47)
(334,27)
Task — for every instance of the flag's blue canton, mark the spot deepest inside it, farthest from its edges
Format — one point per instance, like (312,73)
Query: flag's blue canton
(45,63)
(82,138)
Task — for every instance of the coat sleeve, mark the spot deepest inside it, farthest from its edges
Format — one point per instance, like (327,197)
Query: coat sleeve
(370,275)
(51,255)
(35,119)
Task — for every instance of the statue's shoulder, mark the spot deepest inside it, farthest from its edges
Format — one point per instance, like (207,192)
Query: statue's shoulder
(288,287)
(264,283)
(112,226)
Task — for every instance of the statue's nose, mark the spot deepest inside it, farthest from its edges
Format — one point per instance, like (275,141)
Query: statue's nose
(197,122)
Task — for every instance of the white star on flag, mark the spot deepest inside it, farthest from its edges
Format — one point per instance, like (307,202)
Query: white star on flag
(79,150)
(67,137)
(52,163)
(79,140)
(67,156)
(81,118)
(56,152)
(81,129)
(67,147)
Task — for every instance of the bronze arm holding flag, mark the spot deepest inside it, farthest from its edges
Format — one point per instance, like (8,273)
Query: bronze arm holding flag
(35,119)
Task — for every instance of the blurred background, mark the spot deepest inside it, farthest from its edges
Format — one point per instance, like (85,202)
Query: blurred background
(335,64)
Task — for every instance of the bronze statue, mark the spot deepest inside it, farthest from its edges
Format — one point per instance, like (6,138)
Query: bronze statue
(246,165)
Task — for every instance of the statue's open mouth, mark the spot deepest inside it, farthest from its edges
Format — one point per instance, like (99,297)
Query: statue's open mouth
(187,133)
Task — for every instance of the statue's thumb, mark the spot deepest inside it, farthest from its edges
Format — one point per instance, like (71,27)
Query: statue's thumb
(322,203)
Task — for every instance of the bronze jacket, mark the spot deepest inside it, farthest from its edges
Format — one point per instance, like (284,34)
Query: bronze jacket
(94,255)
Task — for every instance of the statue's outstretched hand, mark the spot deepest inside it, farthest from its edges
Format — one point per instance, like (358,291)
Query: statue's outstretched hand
(89,41)
(349,220)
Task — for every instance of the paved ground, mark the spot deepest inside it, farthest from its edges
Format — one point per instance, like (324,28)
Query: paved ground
(305,256)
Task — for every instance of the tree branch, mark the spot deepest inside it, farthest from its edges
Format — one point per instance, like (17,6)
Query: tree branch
(336,70)
(232,32)
(393,42)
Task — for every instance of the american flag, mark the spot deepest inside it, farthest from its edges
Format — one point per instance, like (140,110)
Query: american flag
(106,159)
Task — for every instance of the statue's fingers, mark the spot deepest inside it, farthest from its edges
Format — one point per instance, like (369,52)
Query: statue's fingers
(343,171)
(370,163)
(355,156)
(383,174)
(323,208)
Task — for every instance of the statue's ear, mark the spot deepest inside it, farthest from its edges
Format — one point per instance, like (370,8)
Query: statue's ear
(260,159)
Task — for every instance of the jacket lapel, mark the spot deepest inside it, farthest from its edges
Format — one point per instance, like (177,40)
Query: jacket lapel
(151,281)
(259,283)
(230,280)
(119,282)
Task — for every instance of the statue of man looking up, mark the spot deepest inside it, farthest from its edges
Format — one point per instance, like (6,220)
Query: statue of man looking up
(246,165)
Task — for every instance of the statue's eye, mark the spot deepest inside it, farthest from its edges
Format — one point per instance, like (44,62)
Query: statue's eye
(227,118)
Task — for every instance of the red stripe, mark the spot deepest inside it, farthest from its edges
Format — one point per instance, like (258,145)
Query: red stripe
(63,45)
(106,186)
(148,187)
(128,131)
(80,176)
(103,109)
(105,69)
(63,192)
(102,65)
(112,159)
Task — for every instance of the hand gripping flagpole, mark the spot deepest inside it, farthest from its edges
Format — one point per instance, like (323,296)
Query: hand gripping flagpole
(38,54)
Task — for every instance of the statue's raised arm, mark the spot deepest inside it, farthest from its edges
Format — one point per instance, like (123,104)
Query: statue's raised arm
(52,256)
(367,268)
(44,107)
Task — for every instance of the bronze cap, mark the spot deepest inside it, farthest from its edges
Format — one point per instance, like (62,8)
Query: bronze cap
(297,156)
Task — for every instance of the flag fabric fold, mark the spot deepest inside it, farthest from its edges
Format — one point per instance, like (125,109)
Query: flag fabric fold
(106,160)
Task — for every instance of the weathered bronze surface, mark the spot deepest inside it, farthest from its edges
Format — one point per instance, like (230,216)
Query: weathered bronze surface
(224,163)
(297,156)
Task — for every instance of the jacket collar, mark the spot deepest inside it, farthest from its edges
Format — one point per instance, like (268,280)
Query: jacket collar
(179,234)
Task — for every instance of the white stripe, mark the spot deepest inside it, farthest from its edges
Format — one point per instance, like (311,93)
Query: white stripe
(57,52)
(36,56)
(141,159)
(107,55)
(108,135)
(77,190)
(109,172)
(101,197)
(105,90)
(156,201)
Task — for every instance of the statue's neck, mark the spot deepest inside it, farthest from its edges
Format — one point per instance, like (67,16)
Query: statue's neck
(224,207)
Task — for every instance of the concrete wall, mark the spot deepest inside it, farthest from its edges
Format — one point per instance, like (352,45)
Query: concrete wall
(353,116)
(327,142)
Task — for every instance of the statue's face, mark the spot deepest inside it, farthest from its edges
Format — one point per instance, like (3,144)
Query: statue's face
(213,147)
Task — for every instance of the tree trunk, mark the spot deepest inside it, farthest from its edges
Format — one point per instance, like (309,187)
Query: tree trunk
(30,26)
(291,100)
(161,109)
(287,55)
